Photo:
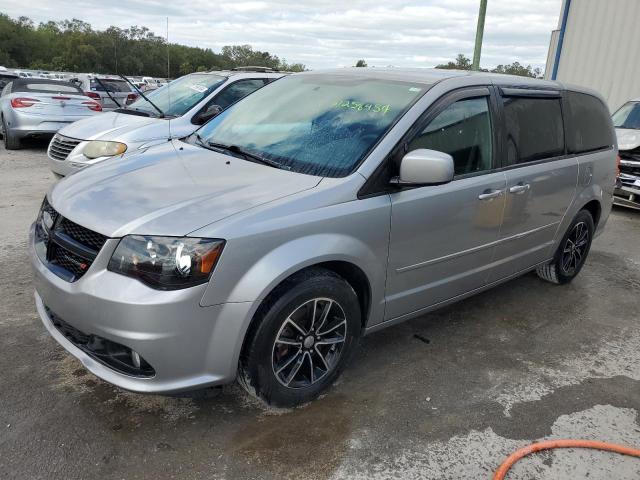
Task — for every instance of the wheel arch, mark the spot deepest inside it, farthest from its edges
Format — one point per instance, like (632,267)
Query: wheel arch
(595,209)
(349,271)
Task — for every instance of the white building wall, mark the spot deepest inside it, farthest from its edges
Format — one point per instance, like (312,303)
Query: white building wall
(601,48)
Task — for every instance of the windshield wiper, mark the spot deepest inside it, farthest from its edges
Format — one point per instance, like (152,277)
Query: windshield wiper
(245,153)
(162,114)
(104,87)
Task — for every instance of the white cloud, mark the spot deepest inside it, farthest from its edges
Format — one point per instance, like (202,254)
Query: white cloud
(332,32)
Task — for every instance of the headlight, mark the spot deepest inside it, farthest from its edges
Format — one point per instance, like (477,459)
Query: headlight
(166,263)
(98,148)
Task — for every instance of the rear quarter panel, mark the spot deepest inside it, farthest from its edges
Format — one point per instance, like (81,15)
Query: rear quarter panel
(596,181)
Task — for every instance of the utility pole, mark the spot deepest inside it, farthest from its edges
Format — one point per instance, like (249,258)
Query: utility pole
(479,32)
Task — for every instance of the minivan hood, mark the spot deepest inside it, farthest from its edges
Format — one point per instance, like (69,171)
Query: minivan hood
(171,189)
(112,125)
(628,139)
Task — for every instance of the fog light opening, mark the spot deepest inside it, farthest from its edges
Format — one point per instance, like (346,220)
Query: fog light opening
(135,359)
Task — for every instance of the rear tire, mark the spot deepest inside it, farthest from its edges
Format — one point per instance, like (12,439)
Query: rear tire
(11,142)
(572,251)
(302,337)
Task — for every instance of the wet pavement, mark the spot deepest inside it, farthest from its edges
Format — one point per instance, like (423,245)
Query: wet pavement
(448,395)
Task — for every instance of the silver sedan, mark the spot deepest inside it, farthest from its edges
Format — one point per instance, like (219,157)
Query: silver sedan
(32,107)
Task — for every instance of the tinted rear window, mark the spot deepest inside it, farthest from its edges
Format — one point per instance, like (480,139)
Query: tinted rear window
(534,129)
(42,87)
(110,85)
(588,123)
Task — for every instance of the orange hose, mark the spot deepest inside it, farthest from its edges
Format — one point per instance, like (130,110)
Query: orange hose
(549,444)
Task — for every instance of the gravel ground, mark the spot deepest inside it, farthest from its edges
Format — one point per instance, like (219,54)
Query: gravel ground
(446,396)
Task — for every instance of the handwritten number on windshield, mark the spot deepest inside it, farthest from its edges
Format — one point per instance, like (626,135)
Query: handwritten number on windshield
(369,107)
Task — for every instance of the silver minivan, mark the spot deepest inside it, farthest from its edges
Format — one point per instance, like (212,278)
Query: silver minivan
(172,111)
(325,206)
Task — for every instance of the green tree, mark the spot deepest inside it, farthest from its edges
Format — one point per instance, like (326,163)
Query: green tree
(462,63)
(361,63)
(73,45)
(516,69)
(185,68)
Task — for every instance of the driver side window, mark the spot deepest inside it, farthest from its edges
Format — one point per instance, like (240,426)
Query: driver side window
(227,97)
(236,91)
(463,130)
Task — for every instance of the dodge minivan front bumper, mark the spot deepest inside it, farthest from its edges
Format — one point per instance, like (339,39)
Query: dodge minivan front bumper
(135,337)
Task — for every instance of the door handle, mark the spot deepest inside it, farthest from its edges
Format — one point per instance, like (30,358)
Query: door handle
(489,194)
(519,189)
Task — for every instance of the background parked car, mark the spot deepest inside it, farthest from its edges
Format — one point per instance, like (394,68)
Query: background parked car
(104,89)
(5,77)
(627,123)
(185,103)
(34,107)
(151,83)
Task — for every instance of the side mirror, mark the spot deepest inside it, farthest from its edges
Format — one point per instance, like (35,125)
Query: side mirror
(207,114)
(425,167)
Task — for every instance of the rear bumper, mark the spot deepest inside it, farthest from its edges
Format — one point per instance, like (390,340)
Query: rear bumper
(188,346)
(25,125)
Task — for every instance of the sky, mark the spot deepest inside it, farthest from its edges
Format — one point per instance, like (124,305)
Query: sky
(329,33)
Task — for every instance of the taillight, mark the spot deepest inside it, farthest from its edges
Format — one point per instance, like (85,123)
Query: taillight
(617,165)
(93,95)
(95,106)
(22,102)
(131,98)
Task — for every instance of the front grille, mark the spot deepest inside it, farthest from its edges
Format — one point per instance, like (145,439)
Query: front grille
(61,146)
(67,260)
(633,154)
(83,235)
(49,209)
(114,355)
(630,169)
(68,249)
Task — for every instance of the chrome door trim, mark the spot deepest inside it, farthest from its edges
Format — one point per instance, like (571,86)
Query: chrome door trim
(474,249)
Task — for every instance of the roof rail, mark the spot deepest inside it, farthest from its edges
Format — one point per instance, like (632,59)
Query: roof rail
(251,68)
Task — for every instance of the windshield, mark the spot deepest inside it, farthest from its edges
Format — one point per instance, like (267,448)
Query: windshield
(178,97)
(627,116)
(315,124)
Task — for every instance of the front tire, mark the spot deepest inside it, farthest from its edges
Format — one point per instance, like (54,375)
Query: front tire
(572,251)
(302,337)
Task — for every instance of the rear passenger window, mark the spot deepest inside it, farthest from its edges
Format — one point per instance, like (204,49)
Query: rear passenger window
(463,130)
(588,125)
(534,129)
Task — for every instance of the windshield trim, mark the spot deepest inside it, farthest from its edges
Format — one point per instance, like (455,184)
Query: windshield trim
(356,166)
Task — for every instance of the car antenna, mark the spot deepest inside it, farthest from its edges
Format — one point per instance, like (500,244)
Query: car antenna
(168,76)
(104,87)
(162,115)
